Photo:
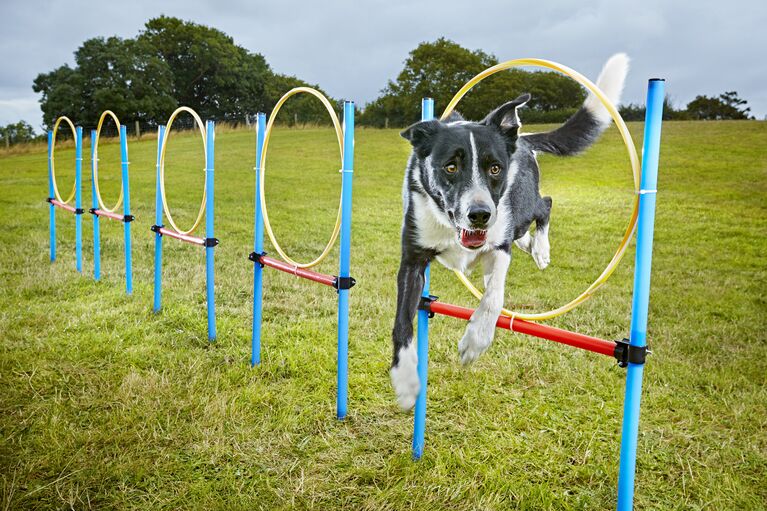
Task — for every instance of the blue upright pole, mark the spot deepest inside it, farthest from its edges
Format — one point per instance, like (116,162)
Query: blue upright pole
(95,205)
(158,222)
(649,183)
(210,130)
(343,271)
(52,208)
(258,246)
(126,209)
(419,416)
(79,199)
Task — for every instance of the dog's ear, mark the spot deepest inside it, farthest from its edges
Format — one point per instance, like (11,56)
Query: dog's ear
(505,117)
(420,135)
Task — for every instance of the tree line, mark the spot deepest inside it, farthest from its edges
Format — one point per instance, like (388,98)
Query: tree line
(172,62)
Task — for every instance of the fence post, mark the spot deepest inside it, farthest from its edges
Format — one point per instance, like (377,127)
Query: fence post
(52,208)
(158,222)
(95,205)
(419,416)
(641,299)
(258,247)
(210,133)
(126,208)
(79,198)
(345,262)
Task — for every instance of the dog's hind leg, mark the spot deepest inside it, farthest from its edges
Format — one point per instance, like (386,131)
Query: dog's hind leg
(404,367)
(539,246)
(481,329)
(524,242)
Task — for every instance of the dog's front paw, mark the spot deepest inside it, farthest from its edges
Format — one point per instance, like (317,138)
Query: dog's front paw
(541,252)
(404,377)
(475,341)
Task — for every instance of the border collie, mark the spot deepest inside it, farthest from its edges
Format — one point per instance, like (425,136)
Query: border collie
(470,190)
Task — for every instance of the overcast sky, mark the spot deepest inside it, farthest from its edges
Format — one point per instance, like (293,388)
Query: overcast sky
(352,48)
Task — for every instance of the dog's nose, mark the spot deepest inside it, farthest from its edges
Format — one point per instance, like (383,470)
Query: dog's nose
(479,216)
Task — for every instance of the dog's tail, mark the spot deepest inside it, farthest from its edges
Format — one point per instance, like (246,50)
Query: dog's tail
(582,129)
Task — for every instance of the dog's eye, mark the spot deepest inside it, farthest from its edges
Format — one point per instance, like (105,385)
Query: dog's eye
(495,169)
(451,168)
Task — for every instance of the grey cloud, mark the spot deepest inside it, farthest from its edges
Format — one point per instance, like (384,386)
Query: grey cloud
(353,48)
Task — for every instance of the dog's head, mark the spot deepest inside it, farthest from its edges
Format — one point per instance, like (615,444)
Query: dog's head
(463,167)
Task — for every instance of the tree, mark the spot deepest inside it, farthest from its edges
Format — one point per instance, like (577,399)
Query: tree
(171,62)
(440,68)
(726,106)
(633,112)
(210,73)
(116,74)
(302,108)
(17,133)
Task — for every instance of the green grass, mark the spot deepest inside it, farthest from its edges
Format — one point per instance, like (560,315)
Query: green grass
(105,405)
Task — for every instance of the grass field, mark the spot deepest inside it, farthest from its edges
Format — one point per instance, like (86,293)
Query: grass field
(104,405)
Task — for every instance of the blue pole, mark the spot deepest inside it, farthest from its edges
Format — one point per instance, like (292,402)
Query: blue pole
(210,130)
(345,261)
(52,208)
(258,246)
(95,205)
(639,306)
(419,416)
(79,199)
(158,221)
(126,209)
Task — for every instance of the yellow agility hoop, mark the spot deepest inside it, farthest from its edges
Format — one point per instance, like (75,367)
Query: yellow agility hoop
(262,165)
(165,208)
(103,206)
(53,162)
(635,168)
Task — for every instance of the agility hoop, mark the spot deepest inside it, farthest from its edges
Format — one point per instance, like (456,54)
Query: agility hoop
(53,162)
(262,165)
(635,168)
(165,207)
(107,113)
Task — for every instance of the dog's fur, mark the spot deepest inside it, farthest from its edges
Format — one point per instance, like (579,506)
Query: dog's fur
(470,190)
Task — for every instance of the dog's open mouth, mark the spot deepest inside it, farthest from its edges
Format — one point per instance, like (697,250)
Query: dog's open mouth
(473,239)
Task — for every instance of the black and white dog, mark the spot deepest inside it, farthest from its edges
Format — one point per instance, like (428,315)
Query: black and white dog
(470,190)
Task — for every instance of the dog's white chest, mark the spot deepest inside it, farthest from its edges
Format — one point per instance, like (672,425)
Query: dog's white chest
(433,233)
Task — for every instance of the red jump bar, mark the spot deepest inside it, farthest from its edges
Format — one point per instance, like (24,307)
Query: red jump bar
(328,280)
(526,327)
(114,216)
(61,205)
(183,237)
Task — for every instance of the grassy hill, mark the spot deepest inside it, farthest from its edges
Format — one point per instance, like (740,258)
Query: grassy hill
(105,405)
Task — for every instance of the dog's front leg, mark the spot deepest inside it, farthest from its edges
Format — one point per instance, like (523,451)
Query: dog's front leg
(481,329)
(404,370)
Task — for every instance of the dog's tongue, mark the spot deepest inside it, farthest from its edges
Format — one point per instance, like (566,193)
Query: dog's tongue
(473,239)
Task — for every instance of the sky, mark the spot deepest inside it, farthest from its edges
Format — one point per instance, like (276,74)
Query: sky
(352,48)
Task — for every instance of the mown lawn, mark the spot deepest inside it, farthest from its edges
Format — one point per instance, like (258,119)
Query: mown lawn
(104,405)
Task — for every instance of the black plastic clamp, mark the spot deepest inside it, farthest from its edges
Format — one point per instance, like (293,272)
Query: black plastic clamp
(49,200)
(344,283)
(128,218)
(156,228)
(625,353)
(425,304)
(210,242)
(256,258)
(92,211)
(79,211)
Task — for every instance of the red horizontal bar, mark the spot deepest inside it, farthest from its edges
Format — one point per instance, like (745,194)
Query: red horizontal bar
(108,214)
(328,280)
(535,329)
(183,237)
(61,205)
